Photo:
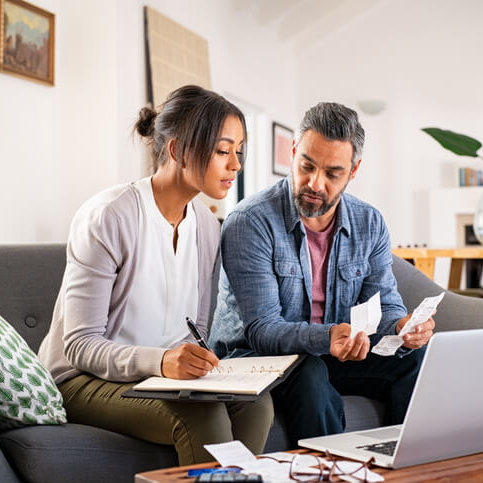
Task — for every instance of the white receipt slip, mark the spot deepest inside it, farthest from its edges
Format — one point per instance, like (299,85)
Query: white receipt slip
(389,344)
(365,317)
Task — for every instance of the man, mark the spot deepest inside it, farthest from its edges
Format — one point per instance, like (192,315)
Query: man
(296,257)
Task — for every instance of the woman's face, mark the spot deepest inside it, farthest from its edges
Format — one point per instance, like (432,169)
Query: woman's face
(225,162)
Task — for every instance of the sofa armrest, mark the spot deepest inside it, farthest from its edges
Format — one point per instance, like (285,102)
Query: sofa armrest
(455,312)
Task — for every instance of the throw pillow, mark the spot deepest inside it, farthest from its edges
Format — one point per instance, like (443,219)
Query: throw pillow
(28,394)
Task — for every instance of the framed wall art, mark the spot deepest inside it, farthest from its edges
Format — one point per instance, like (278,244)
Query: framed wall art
(281,149)
(27,41)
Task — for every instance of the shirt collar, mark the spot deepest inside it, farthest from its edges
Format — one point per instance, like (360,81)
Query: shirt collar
(292,216)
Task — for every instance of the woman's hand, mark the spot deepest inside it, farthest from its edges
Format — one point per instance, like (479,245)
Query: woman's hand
(188,361)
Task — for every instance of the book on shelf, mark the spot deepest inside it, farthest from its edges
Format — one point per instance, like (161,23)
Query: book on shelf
(470,177)
(240,378)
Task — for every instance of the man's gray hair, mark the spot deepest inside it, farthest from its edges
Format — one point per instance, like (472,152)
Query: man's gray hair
(335,122)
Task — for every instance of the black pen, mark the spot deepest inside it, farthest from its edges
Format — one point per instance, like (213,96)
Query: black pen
(196,334)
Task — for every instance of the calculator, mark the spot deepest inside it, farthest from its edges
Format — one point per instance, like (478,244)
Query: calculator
(230,477)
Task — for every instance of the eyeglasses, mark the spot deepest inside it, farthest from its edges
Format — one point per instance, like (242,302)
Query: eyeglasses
(310,468)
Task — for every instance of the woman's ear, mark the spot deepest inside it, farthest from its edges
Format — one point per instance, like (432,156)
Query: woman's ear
(172,149)
(172,152)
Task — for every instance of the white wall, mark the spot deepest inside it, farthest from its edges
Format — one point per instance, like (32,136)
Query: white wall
(59,145)
(423,57)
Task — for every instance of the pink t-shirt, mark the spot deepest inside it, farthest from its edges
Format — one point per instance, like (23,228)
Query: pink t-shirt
(319,247)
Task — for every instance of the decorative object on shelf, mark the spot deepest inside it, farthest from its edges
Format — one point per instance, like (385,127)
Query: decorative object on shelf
(27,41)
(282,138)
(463,146)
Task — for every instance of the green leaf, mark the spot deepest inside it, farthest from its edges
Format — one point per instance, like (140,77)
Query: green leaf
(11,344)
(40,371)
(15,371)
(5,352)
(13,410)
(34,380)
(17,386)
(22,364)
(26,359)
(28,419)
(43,398)
(2,376)
(5,394)
(25,402)
(454,142)
(51,390)
(39,410)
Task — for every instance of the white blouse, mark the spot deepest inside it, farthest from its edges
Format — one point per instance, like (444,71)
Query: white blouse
(165,287)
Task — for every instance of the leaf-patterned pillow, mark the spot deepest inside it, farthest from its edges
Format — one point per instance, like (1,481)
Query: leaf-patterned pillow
(28,394)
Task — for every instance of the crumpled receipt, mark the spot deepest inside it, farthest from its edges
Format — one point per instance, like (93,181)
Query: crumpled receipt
(389,344)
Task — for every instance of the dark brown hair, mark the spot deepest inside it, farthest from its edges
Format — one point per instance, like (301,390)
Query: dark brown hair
(194,117)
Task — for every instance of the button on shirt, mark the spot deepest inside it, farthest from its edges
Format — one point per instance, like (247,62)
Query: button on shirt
(165,288)
(265,299)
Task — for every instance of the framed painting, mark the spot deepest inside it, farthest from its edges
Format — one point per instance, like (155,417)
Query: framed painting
(281,149)
(27,41)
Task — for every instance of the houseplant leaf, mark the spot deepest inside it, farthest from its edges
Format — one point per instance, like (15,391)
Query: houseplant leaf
(455,142)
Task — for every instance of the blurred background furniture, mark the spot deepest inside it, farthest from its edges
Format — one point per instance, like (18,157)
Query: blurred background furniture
(424,259)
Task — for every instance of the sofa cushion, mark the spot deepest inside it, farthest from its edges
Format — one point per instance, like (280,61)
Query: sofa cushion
(54,454)
(28,394)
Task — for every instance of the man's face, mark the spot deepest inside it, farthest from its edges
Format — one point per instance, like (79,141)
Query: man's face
(321,170)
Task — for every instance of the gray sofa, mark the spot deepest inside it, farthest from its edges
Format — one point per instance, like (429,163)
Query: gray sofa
(30,277)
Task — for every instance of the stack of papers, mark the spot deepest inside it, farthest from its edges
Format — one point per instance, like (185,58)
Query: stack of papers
(275,467)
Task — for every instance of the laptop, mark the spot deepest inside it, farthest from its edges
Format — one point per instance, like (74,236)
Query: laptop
(445,415)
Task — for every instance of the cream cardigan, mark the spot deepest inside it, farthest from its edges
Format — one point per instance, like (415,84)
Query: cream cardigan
(102,251)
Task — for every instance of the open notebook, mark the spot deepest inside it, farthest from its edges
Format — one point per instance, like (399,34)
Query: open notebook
(238,376)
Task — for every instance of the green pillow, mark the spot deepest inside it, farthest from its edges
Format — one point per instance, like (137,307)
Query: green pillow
(28,394)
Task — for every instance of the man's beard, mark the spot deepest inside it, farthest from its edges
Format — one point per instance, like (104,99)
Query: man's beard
(311,210)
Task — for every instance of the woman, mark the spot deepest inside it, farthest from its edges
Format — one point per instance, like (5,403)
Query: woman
(140,259)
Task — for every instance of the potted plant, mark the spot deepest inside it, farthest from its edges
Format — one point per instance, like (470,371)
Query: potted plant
(463,146)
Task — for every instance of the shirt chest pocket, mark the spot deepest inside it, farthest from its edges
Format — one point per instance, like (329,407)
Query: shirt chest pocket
(290,280)
(351,278)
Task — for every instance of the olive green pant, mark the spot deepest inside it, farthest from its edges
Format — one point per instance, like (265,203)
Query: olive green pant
(187,425)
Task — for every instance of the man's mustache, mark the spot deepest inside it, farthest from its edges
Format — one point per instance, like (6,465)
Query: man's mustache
(315,194)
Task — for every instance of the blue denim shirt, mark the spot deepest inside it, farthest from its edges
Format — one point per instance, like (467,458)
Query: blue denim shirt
(267,278)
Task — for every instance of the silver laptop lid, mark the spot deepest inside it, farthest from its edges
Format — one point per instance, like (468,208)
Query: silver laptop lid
(445,415)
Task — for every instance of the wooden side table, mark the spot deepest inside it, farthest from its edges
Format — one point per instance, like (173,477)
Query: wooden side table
(455,470)
(424,260)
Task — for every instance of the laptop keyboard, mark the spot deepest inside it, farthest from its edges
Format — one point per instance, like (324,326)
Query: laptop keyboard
(386,448)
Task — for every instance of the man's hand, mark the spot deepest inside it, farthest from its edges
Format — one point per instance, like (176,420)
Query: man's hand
(420,335)
(345,348)
(188,361)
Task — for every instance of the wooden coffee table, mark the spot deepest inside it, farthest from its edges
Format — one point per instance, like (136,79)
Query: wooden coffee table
(467,469)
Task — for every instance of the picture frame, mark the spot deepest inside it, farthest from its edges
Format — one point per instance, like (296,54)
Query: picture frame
(27,38)
(282,138)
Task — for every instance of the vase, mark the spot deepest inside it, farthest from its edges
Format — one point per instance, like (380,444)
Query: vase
(478,221)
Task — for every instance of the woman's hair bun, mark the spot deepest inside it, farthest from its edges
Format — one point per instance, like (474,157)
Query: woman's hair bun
(145,123)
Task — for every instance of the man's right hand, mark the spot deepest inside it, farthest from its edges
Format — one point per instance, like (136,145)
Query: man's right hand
(345,348)
(188,361)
